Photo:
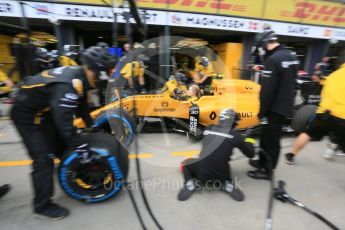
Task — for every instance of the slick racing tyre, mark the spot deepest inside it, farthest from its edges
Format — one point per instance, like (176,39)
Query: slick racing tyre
(99,175)
(302,118)
(118,123)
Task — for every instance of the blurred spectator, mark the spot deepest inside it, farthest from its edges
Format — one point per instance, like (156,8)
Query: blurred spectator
(126,48)
(321,70)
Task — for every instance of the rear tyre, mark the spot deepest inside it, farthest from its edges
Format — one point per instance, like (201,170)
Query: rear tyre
(302,118)
(101,176)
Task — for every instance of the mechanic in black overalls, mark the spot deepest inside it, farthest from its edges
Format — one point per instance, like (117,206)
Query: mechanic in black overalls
(276,100)
(43,114)
(212,169)
(43,61)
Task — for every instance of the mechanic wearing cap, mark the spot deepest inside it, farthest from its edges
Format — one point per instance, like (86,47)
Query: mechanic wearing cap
(43,114)
(212,167)
(276,100)
(330,115)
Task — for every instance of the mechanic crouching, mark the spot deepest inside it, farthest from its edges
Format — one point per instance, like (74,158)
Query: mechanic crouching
(43,114)
(211,168)
(276,101)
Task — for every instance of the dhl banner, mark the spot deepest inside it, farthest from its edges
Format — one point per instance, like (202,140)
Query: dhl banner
(248,8)
(254,25)
(306,11)
(314,12)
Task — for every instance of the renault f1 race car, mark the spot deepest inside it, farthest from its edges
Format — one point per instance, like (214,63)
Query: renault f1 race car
(101,175)
(182,115)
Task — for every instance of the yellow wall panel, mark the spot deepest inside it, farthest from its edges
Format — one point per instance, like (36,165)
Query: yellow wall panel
(231,58)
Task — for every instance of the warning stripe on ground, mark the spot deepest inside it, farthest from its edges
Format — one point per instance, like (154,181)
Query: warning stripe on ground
(56,161)
(191,153)
(184,154)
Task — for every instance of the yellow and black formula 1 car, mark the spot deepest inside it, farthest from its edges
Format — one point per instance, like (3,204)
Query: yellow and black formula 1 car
(186,116)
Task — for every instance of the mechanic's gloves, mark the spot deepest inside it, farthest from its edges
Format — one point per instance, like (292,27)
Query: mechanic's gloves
(250,140)
(83,152)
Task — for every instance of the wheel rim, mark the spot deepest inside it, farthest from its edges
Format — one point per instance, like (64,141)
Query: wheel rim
(92,176)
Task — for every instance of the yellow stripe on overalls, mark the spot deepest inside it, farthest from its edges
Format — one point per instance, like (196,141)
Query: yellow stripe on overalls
(32,86)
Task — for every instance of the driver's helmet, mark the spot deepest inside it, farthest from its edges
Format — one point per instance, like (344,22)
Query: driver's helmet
(228,118)
(98,60)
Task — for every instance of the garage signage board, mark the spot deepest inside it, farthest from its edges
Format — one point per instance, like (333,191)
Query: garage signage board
(213,22)
(252,25)
(155,17)
(315,12)
(9,9)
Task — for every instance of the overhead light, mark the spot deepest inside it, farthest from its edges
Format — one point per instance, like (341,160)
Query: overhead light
(100,37)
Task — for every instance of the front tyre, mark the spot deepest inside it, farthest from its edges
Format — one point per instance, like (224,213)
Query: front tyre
(118,123)
(98,178)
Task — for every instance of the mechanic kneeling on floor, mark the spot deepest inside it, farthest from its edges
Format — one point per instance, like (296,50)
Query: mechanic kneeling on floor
(43,114)
(276,101)
(212,168)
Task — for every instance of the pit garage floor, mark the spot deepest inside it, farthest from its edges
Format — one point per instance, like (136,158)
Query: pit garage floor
(318,183)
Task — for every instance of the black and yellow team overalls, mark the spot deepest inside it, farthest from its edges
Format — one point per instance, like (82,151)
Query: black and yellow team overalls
(67,61)
(330,115)
(124,77)
(43,114)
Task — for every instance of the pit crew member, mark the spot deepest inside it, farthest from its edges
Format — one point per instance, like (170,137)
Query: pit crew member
(212,167)
(43,114)
(330,115)
(276,100)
